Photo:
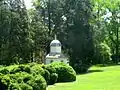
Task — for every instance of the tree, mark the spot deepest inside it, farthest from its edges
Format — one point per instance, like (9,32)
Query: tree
(40,36)
(105,27)
(113,28)
(15,37)
(105,53)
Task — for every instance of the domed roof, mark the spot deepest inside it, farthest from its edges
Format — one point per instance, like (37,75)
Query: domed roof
(55,42)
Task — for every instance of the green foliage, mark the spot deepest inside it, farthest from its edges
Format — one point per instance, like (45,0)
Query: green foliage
(14,86)
(24,77)
(21,68)
(31,64)
(5,81)
(15,40)
(4,71)
(25,86)
(105,53)
(105,49)
(50,68)
(35,76)
(105,23)
(40,35)
(38,83)
(81,68)
(23,81)
(65,72)
(69,19)
(37,69)
(34,69)
(47,76)
(53,78)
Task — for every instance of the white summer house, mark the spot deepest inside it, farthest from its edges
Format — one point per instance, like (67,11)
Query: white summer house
(55,54)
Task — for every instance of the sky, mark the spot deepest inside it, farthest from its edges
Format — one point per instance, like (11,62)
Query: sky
(28,3)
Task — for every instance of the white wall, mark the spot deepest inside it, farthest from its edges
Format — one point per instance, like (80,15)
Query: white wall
(56,49)
(48,61)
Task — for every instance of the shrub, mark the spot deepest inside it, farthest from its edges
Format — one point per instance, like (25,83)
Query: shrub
(2,85)
(25,86)
(81,68)
(37,70)
(4,71)
(65,72)
(14,86)
(27,69)
(38,83)
(53,78)
(46,76)
(31,64)
(4,81)
(22,81)
(22,86)
(15,70)
(21,68)
(50,68)
(35,76)
(34,69)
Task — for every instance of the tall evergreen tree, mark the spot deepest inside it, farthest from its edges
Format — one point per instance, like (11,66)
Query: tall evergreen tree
(15,38)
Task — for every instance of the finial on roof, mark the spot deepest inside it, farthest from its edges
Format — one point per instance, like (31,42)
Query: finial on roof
(55,37)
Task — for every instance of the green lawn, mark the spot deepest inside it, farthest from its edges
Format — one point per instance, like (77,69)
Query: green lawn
(99,78)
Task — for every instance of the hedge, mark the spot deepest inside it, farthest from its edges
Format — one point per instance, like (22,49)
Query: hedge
(34,76)
(53,75)
(21,81)
(65,72)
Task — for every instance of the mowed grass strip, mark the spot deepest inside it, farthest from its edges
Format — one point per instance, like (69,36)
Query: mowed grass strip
(98,78)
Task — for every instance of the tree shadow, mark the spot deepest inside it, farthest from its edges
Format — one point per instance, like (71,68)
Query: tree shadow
(107,65)
(93,71)
(90,71)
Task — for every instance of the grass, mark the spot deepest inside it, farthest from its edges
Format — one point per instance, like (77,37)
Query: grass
(98,78)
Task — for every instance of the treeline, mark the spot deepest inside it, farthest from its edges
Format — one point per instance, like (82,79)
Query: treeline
(23,37)
(88,30)
(106,30)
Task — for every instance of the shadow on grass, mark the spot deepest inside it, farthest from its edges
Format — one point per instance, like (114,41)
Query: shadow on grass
(90,71)
(107,65)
